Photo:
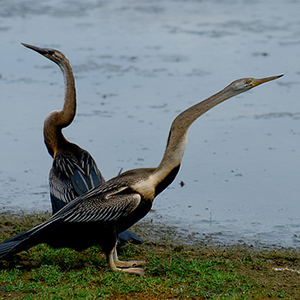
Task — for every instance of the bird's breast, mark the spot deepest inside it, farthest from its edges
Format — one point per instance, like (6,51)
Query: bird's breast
(146,188)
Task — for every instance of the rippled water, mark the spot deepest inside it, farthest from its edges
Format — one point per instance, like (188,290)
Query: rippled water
(137,65)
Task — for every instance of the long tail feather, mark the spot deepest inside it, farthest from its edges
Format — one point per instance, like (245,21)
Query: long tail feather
(27,239)
(15,244)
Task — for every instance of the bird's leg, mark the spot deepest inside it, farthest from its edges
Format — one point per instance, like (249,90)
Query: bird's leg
(113,265)
(126,264)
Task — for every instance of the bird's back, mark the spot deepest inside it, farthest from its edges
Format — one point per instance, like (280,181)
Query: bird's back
(72,174)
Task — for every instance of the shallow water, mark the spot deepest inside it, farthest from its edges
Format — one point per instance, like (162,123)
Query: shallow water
(137,65)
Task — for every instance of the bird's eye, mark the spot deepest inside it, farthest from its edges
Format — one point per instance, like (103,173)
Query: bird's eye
(248,81)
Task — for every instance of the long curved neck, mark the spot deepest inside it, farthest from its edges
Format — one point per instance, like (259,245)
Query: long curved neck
(57,120)
(165,173)
(177,139)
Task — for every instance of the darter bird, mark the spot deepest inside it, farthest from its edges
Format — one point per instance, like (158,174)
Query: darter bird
(97,216)
(74,171)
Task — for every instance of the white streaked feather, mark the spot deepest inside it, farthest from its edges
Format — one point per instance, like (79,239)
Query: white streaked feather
(84,180)
(111,210)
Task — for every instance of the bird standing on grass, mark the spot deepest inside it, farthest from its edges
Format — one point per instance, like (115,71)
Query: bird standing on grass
(97,216)
(74,170)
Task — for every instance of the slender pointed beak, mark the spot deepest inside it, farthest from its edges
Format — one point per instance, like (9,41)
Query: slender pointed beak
(256,82)
(42,51)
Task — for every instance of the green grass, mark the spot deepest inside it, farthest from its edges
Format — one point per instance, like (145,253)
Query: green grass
(174,271)
(44,273)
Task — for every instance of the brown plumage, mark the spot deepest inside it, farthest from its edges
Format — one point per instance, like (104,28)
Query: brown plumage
(96,217)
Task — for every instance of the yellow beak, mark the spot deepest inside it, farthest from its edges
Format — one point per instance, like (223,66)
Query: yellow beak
(256,82)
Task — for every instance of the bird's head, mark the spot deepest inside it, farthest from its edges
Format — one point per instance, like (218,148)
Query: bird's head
(245,84)
(51,54)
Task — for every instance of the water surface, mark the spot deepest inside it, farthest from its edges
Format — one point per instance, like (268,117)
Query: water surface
(137,65)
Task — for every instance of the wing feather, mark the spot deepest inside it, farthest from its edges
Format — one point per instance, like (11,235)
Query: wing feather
(118,206)
(68,178)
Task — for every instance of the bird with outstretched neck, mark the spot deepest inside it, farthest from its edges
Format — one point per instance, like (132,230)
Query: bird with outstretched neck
(74,170)
(97,216)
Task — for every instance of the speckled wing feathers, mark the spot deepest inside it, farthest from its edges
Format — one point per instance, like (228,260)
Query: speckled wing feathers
(110,210)
(99,206)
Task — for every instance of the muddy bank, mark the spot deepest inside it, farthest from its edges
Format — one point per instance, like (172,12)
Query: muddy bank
(152,232)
